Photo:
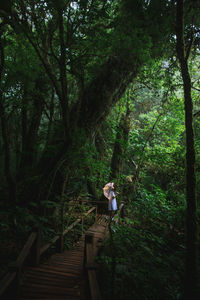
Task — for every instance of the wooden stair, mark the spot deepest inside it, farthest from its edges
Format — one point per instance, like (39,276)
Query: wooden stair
(62,276)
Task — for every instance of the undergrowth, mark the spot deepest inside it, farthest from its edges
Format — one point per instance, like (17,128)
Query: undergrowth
(144,257)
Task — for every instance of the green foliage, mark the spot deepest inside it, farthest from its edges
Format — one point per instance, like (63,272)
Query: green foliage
(148,251)
(149,246)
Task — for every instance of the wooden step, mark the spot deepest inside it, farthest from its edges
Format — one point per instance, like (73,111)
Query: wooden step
(62,276)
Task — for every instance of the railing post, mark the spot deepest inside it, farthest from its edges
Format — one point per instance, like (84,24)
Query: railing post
(96,212)
(60,243)
(35,250)
(92,289)
(122,212)
(82,223)
(88,241)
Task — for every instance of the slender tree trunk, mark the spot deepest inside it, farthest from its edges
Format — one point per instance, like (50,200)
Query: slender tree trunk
(4,128)
(30,131)
(191,218)
(7,165)
(51,114)
(24,124)
(63,75)
(120,146)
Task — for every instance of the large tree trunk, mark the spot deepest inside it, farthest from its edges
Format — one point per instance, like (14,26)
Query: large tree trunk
(104,91)
(96,102)
(191,255)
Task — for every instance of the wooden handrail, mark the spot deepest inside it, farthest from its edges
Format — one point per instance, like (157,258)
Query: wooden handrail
(56,238)
(71,226)
(46,247)
(89,262)
(89,202)
(89,211)
(120,213)
(91,267)
(15,267)
(94,286)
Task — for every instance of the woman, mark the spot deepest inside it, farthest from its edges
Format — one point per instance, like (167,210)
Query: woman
(108,191)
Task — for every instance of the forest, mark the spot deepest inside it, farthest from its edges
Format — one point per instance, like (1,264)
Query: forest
(93,91)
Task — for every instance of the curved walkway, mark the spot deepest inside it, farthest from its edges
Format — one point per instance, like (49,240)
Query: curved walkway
(62,276)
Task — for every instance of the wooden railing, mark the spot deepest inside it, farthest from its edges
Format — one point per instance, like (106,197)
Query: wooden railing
(120,213)
(90,266)
(33,250)
(31,254)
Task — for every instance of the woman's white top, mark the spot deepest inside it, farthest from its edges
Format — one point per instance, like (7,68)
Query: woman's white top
(112,204)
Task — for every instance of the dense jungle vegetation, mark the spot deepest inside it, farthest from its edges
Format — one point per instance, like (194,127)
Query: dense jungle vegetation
(100,90)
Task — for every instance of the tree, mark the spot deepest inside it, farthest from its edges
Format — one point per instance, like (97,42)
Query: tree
(62,35)
(4,125)
(183,55)
(87,52)
(121,143)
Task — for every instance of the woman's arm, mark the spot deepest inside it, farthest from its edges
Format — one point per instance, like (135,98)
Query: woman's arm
(111,196)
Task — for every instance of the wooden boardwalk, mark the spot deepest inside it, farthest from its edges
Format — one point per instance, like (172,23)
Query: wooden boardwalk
(62,276)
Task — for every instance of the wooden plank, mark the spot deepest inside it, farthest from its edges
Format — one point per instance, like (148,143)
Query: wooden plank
(62,270)
(39,290)
(51,276)
(48,288)
(64,260)
(56,272)
(73,263)
(52,280)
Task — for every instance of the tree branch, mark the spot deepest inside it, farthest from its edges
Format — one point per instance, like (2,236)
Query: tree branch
(27,31)
(63,75)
